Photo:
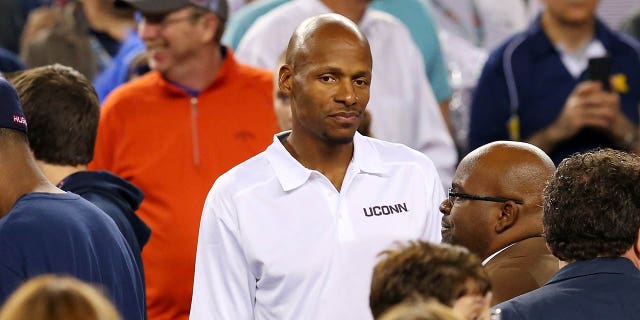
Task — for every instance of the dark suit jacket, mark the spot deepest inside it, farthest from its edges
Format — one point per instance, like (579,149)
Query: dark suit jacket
(523,267)
(602,288)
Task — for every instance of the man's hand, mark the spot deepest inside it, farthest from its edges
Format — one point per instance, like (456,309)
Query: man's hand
(473,307)
(588,106)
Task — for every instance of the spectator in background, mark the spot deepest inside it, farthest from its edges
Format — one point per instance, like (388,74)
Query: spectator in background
(93,36)
(62,110)
(58,35)
(50,297)
(174,130)
(46,230)
(293,232)
(535,86)
(402,109)
(449,274)
(494,209)
(591,223)
(468,30)
(119,24)
(483,24)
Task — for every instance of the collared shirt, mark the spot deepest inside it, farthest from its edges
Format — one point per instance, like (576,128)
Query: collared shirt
(278,241)
(402,106)
(485,261)
(526,79)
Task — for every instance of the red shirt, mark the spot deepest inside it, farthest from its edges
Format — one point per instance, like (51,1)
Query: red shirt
(174,146)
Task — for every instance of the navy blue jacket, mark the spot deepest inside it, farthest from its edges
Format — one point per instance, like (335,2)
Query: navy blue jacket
(602,288)
(117,198)
(64,234)
(525,76)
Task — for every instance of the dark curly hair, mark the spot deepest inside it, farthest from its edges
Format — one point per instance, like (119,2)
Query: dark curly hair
(591,205)
(427,270)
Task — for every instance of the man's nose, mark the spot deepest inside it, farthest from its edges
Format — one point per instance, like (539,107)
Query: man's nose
(445,207)
(347,94)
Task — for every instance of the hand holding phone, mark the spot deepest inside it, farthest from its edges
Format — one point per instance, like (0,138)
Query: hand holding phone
(599,69)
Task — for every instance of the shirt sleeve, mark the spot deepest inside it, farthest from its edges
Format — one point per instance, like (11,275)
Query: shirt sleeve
(224,287)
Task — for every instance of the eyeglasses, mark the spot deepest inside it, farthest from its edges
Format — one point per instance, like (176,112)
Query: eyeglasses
(162,21)
(455,197)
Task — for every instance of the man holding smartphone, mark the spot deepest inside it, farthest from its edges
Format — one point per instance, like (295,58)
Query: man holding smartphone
(540,86)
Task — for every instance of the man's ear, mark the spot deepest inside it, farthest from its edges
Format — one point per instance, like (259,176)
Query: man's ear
(285,79)
(507,216)
(211,23)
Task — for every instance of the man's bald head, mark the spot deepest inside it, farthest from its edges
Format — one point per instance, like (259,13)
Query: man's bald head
(317,31)
(512,168)
(514,171)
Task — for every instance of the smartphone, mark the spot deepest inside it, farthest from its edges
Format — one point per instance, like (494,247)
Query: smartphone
(599,69)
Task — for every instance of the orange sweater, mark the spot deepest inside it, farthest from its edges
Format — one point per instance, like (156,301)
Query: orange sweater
(173,147)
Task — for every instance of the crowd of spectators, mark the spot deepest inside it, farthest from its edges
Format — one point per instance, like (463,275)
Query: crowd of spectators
(305,159)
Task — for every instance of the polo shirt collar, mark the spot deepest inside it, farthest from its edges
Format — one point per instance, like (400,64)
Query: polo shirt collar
(291,174)
(542,44)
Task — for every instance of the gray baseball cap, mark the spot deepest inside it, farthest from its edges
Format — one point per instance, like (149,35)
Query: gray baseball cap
(219,7)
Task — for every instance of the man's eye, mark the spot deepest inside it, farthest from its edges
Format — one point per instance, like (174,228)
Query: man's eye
(361,82)
(327,79)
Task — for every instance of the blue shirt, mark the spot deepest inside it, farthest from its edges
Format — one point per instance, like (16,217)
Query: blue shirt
(526,76)
(65,234)
(118,72)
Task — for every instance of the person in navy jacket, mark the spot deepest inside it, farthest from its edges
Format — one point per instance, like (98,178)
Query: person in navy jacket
(591,223)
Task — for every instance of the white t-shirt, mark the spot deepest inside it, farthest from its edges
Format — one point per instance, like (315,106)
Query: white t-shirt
(402,104)
(278,241)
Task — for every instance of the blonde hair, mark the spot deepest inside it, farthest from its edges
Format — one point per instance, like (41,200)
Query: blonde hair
(51,297)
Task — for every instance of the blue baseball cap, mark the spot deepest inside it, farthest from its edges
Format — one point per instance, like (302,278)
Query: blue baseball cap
(11,115)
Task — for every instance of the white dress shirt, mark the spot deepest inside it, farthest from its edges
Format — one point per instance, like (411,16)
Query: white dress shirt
(278,241)
(402,105)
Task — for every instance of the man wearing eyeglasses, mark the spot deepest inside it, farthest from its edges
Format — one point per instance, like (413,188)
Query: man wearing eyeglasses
(173,131)
(494,208)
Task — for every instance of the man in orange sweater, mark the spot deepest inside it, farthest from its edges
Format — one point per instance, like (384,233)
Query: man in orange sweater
(173,131)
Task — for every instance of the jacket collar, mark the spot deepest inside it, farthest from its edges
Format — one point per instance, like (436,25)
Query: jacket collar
(577,269)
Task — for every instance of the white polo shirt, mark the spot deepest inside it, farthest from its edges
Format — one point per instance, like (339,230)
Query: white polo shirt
(278,241)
